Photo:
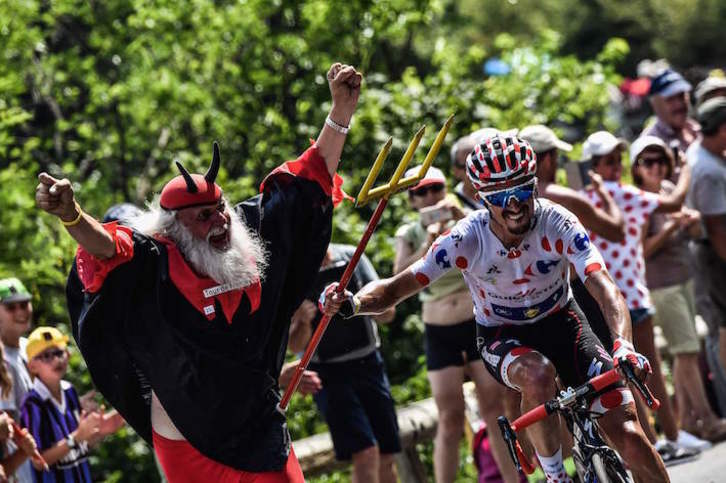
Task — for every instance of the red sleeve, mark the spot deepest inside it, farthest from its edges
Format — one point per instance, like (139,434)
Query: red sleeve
(311,165)
(93,271)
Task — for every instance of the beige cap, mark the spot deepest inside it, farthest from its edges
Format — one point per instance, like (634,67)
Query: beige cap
(601,143)
(542,139)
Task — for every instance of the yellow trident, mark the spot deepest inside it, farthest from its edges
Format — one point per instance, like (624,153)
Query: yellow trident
(367,194)
(396,184)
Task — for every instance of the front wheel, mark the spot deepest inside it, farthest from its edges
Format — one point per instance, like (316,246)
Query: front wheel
(609,468)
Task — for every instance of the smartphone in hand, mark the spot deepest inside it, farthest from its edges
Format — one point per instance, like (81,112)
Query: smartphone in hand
(434,214)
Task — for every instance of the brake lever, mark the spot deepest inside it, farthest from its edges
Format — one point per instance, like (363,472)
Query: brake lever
(510,438)
(650,400)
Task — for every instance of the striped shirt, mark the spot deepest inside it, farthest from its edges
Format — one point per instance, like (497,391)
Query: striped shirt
(50,421)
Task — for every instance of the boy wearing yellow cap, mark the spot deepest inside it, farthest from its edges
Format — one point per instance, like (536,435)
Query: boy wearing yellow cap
(52,411)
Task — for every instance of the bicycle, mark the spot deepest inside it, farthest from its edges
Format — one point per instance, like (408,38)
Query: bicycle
(595,462)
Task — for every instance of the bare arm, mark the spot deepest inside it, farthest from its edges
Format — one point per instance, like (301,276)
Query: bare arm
(380,295)
(386,317)
(607,222)
(344,82)
(716,229)
(673,201)
(611,303)
(57,198)
(301,329)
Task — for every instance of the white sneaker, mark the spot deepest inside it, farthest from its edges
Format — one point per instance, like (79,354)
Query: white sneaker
(687,440)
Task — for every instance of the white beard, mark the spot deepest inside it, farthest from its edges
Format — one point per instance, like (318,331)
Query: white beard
(242,263)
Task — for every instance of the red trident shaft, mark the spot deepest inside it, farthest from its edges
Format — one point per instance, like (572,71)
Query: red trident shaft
(384,192)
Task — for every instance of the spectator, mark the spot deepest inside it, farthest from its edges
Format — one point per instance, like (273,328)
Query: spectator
(16,315)
(707,194)
(669,278)
(626,264)
(712,86)
(669,97)
(603,218)
(52,412)
(355,398)
(450,331)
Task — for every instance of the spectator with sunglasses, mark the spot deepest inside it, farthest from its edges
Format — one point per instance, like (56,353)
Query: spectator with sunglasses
(515,257)
(16,315)
(450,330)
(52,412)
(669,276)
(626,263)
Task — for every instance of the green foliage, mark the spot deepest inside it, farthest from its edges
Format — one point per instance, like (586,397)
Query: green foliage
(109,93)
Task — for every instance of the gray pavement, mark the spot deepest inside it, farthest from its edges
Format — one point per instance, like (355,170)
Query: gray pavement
(709,468)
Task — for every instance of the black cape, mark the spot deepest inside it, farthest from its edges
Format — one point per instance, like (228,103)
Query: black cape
(216,379)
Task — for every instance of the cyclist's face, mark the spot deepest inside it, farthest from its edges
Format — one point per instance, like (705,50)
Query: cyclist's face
(515,216)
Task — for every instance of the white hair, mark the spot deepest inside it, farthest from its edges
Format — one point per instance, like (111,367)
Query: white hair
(241,264)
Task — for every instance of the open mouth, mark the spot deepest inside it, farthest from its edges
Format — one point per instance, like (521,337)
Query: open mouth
(219,236)
(517,216)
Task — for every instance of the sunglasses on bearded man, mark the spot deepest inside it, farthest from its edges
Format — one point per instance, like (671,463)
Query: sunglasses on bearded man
(501,198)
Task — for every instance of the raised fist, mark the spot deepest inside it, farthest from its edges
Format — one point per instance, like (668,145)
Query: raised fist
(344,82)
(56,197)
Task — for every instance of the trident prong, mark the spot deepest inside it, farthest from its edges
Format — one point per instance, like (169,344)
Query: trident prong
(396,183)
(366,194)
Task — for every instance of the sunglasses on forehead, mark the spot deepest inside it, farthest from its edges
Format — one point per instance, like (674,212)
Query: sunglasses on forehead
(424,190)
(13,306)
(501,198)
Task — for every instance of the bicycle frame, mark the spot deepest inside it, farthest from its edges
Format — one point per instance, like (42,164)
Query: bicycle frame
(573,404)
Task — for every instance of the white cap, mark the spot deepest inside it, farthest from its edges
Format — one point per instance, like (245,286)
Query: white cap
(433,176)
(643,142)
(542,139)
(601,143)
(709,84)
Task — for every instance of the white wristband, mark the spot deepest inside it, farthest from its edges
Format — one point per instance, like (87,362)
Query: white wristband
(336,127)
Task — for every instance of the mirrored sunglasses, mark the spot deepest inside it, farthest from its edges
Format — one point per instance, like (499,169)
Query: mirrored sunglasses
(501,198)
(48,356)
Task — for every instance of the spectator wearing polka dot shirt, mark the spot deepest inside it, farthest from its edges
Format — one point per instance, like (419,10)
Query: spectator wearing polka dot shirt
(625,260)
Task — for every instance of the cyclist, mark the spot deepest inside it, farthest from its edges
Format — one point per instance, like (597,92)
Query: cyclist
(515,257)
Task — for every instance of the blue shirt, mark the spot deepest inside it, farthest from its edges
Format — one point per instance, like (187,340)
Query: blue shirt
(50,421)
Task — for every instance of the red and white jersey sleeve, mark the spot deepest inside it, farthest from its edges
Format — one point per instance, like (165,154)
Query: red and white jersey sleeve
(625,260)
(516,285)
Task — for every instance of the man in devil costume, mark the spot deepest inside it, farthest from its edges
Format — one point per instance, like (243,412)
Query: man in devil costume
(183,317)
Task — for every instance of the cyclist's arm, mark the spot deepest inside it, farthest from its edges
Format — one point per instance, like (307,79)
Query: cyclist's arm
(611,303)
(381,295)
(406,254)
(607,222)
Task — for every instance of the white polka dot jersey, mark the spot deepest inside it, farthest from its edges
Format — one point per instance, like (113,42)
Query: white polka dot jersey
(517,285)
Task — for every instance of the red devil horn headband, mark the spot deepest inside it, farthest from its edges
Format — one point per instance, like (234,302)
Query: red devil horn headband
(189,190)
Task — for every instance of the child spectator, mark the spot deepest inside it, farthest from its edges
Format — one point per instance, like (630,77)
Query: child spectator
(52,412)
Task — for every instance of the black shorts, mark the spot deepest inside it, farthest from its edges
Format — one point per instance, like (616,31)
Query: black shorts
(565,338)
(450,345)
(357,404)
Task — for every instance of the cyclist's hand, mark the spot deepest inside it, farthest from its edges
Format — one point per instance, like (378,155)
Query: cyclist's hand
(623,349)
(331,302)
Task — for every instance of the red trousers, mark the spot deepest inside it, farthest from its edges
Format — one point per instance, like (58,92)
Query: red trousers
(184,464)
